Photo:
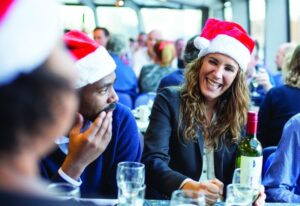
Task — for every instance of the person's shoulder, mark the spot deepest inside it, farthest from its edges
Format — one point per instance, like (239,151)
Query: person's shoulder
(122,113)
(294,120)
(148,66)
(121,110)
(283,90)
(170,92)
(277,90)
(291,133)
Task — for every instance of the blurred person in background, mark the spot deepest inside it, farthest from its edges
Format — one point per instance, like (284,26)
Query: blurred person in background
(105,132)
(282,51)
(151,75)
(179,46)
(280,104)
(38,102)
(126,81)
(146,55)
(258,78)
(101,35)
(177,77)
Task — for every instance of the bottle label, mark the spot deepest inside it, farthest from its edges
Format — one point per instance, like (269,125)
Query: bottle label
(251,168)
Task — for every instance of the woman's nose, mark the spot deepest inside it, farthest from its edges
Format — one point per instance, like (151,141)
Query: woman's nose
(219,72)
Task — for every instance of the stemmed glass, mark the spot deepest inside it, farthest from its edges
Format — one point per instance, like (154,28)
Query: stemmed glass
(254,85)
(130,181)
(187,198)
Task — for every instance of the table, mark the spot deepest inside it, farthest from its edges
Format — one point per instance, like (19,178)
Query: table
(113,202)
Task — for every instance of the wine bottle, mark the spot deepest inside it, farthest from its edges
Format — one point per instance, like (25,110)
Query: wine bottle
(249,157)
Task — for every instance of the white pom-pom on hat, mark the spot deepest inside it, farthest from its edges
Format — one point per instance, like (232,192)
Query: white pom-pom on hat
(201,43)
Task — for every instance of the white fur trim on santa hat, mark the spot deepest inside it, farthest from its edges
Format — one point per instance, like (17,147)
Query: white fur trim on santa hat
(28,33)
(94,67)
(229,46)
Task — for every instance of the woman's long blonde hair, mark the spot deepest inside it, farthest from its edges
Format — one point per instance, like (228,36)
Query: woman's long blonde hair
(292,69)
(231,109)
(165,52)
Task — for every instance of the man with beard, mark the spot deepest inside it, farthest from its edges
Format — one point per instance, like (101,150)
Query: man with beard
(105,132)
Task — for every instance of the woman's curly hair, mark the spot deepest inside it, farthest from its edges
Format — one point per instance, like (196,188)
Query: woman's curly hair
(231,109)
(293,69)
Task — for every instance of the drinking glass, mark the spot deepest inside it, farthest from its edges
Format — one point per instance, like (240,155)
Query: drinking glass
(238,195)
(187,198)
(131,194)
(64,190)
(130,181)
(236,179)
(254,84)
(130,172)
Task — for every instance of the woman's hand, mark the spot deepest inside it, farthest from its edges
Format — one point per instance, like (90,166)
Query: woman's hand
(212,189)
(261,197)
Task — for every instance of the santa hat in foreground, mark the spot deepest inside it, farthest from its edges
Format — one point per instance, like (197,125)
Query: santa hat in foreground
(29,30)
(227,38)
(93,62)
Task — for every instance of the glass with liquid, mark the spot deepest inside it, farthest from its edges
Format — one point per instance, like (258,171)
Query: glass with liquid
(238,195)
(187,198)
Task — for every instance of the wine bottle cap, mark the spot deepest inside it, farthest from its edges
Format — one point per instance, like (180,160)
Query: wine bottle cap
(252,116)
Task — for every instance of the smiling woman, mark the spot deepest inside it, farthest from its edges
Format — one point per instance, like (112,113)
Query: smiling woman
(192,137)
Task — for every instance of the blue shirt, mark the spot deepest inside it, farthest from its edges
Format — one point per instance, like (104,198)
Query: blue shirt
(99,178)
(282,179)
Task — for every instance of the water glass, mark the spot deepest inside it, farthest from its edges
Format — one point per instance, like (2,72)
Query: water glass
(187,198)
(237,194)
(236,179)
(130,180)
(64,190)
(130,172)
(131,194)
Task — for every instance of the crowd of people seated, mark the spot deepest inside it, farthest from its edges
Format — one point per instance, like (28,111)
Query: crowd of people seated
(61,120)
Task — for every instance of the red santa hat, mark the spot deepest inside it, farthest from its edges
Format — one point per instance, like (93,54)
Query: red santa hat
(93,62)
(227,38)
(29,30)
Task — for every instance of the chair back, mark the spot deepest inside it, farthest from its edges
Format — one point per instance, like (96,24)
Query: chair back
(125,99)
(144,98)
(268,155)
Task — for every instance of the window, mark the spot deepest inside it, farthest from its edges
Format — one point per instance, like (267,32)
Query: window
(295,20)
(228,11)
(173,23)
(77,17)
(257,23)
(118,20)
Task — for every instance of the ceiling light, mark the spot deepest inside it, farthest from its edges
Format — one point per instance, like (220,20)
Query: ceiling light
(119,3)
